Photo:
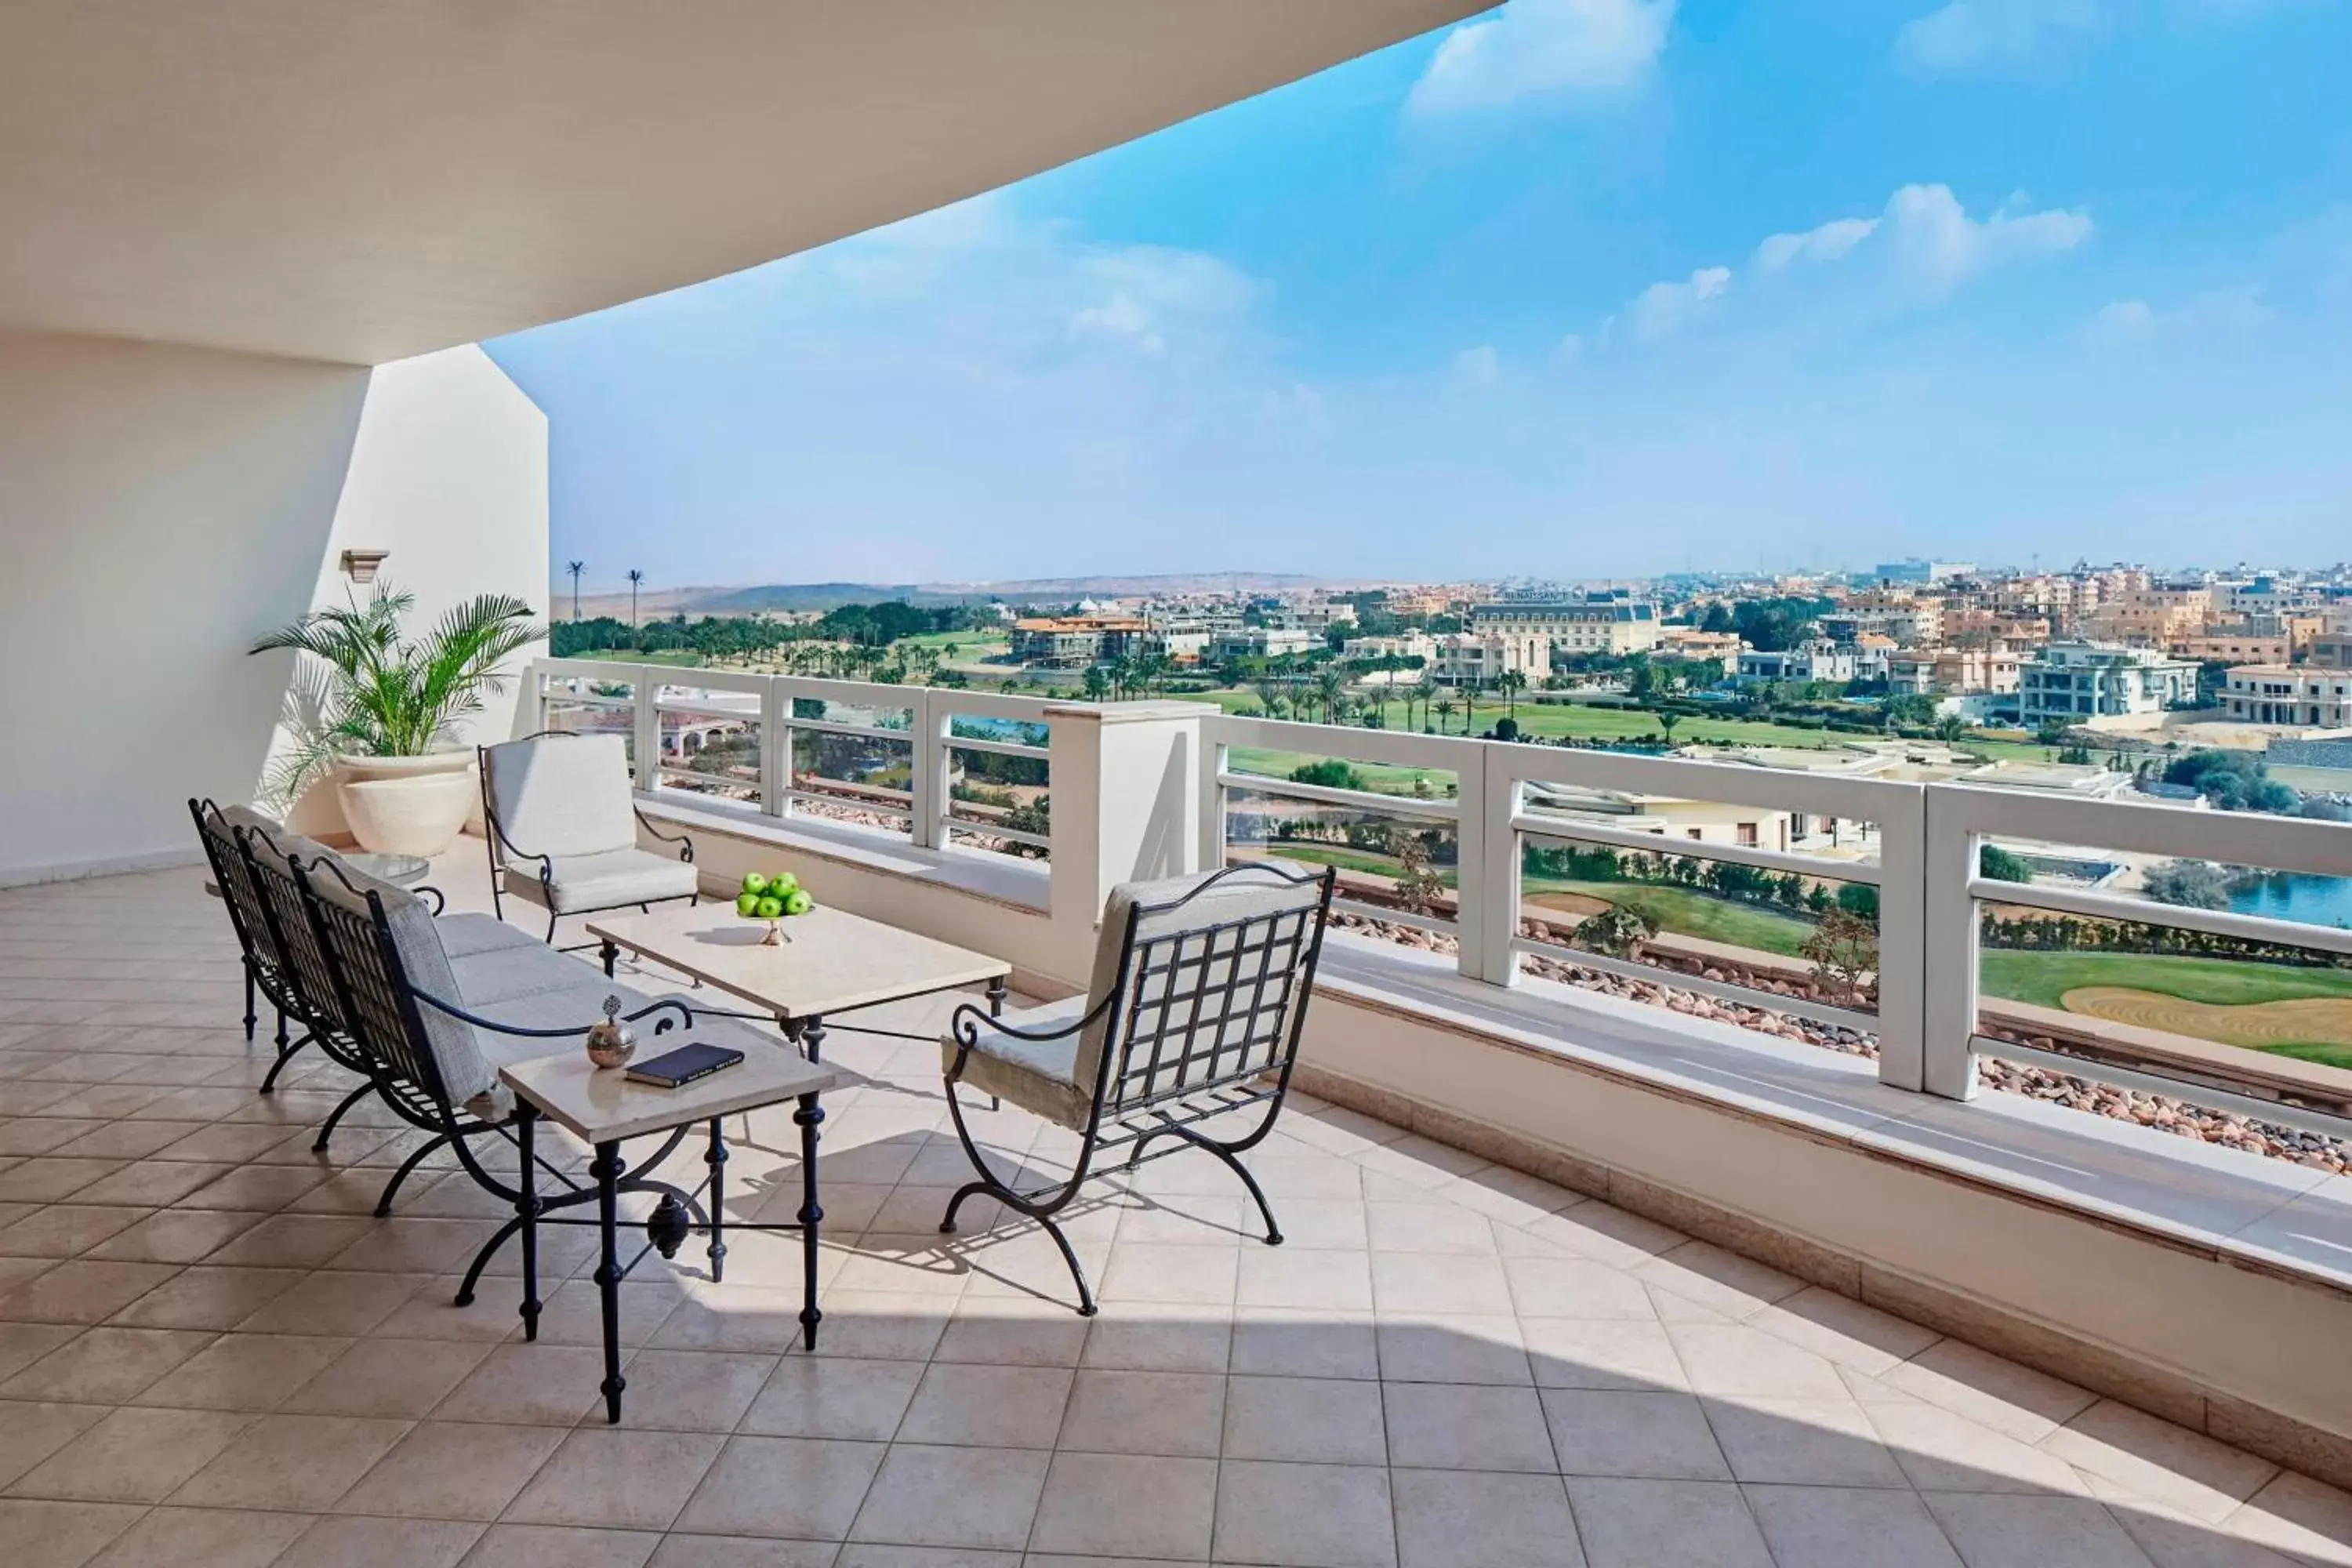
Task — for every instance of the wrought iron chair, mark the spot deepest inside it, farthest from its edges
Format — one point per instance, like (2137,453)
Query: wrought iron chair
(1199,993)
(567,796)
(438,1056)
(265,962)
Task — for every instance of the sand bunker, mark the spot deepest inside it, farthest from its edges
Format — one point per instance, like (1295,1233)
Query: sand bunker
(2261,1025)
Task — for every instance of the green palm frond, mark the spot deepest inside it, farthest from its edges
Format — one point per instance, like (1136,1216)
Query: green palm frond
(360,688)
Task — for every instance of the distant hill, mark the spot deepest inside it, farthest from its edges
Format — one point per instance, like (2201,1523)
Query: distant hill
(776,598)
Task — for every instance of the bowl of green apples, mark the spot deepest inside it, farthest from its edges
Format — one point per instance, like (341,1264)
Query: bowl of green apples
(773,900)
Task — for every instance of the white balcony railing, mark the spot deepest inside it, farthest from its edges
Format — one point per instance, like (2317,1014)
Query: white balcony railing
(1436,837)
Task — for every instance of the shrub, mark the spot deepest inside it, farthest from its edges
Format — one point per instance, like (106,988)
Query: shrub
(1998,865)
(1330,773)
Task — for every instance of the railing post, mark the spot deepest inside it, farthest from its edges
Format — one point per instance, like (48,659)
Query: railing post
(1125,796)
(927,780)
(1904,955)
(775,747)
(1487,899)
(648,738)
(531,710)
(1948,1063)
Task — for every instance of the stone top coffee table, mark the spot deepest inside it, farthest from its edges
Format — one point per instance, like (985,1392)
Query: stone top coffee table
(832,963)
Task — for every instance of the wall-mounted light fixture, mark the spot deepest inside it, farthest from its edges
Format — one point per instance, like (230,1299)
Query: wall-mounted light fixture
(360,565)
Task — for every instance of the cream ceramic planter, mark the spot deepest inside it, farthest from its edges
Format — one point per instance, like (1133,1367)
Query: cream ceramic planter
(407,806)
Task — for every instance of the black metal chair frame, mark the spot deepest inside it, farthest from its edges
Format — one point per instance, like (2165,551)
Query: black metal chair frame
(265,970)
(374,990)
(498,846)
(1138,1120)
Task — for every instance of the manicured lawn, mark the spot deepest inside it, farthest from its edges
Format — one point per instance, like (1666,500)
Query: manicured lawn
(678,658)
(1689,913)
(2044,978)
(1350,860)
(1379,777)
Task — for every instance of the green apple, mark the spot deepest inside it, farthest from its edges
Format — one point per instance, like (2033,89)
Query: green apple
(754,883)
(748,904)
(784,884)
(797,903)
(770,909)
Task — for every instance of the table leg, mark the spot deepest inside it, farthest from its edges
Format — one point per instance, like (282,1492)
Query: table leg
(527,1210)
(996,989)
(251,1017)
(607,1169)
(812,1039)
(610,953)
(716,1158)
(808,1118)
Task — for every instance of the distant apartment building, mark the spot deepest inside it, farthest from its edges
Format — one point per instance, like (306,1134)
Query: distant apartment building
(2284,694)
(2067,682)
(1691,644)
(1264,642)
(1919,570)
(1975,625)
(1819,660)
(2330,650)
(1481,660)
(2155,616)
(1074,642)
(1317,615)
(1952,671)
(1424,602)
(2236,647)
(1601,623)
(1906,626)
(1406,646)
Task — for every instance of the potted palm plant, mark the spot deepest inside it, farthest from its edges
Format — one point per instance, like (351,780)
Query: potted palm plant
(377,711)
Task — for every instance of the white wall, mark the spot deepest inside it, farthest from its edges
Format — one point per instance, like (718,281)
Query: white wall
(160,508)
(450,473)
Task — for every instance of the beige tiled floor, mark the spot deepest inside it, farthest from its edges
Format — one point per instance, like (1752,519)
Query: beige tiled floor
(210,1353)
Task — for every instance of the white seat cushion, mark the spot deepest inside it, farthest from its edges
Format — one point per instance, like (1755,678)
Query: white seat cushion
(605,881)
(1039,1076)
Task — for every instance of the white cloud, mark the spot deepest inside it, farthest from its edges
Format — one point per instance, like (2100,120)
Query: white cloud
(1532,46)
(1829,242)
(2124,318)
(1941,245)
(1995,36)
(1478,367)
(1664,308)
(2224,313)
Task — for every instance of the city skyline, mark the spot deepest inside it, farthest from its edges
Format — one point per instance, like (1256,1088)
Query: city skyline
(1578,289)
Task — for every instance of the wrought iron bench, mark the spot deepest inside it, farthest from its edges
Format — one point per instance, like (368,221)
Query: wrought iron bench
(1193,1013)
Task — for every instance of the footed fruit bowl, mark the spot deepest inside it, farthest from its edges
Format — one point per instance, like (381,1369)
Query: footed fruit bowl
(773,900)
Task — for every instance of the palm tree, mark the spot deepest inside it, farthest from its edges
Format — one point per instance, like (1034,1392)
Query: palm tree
(1328,687)
(1445,712)
(1514,681)
(379,695)
(1270,698)
(576,568)
(635,577)
(1666,722)
(1424,691)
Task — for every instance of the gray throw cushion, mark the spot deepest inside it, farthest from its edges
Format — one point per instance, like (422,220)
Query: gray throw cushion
(562,795)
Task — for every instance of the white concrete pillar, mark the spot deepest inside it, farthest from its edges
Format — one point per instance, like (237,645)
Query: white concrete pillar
(1126,791)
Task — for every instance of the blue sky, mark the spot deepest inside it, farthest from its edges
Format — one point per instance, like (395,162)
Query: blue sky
(1579,287)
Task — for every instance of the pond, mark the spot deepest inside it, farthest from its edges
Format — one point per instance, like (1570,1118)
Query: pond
(2313,900)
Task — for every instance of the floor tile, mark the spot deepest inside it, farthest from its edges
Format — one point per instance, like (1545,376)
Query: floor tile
(452,1470)
(1666,1524)
(557,1546)
(175,1236)
(1455,1426)
(2153,1458)
(954,1497)
(1802,1442)
(1437,1347)
(1303,1516)
(1124,1505)
(994,1406)
(1849,1527)
(203,1538)
(206,1297)
(1170,1413)
(31,1432)
(44,1534)
(243,1372)
(388,1378)
(1737,1361)
(545,1385)
(84,1290)
(618,1479)
(303,1462)
(1941,1451)
(833,1397)
(692,1391)
(1150,1337)
(1422,1282)
(2012,1399)
(2008,1531)
(106,1366)
(1283,1341)
(1331,1421)
(1465,1519)
(809,1488)
(1653,1436)
(358,1543)
(133,1456)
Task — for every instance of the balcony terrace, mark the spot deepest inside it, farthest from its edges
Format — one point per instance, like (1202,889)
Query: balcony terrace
(1570,1277)
(211,1354)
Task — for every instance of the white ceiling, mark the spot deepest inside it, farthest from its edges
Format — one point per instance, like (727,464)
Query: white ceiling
(363,180)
